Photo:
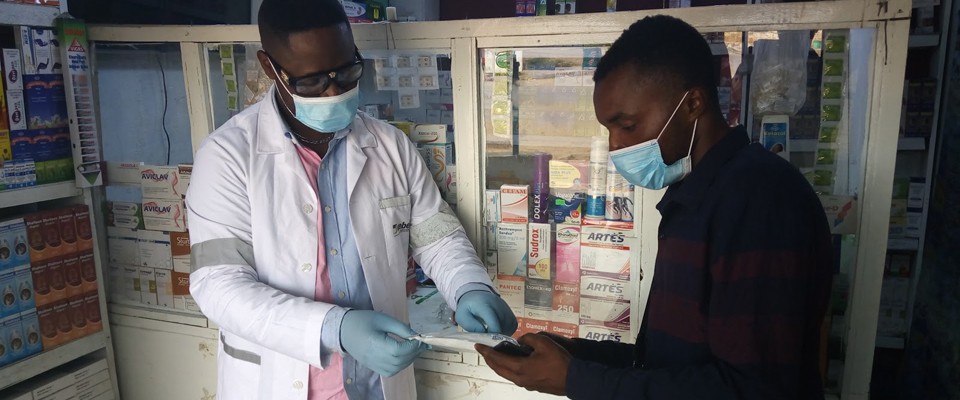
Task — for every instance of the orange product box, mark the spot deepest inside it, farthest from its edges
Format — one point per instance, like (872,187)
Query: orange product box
(61,313)
(71,274)
(41,284)
(48,327)
(51,234)
(91,305)
(57,279)
(566,303)
(530,325)
(78,316)
(519,332)
(68,231)
(38,246)
(88,272)
(563,329)
(81,215)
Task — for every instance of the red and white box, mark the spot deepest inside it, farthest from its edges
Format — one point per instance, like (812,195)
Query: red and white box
(515,203)
(511,289)
(566,303)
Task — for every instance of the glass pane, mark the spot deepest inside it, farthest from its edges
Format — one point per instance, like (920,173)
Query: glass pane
(143,104)
(411,89)
(552,196)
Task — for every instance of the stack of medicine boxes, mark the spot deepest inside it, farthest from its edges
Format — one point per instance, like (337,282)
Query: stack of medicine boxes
(149,244)
(570,276)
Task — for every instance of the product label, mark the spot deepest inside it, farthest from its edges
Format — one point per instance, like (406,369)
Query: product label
(606,251)
(566,302)
(514,203)
(511,289)
(603,310)
(599,331)
(568,253)
(605,287)
(540,253)
(538,299)
(512,249)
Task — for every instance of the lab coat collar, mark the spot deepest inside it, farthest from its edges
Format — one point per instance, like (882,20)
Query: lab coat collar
(271,128)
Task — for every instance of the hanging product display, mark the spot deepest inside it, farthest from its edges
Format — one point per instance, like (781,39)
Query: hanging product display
(79,87)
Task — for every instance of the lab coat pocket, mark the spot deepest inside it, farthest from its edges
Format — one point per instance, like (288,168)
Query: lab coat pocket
(239,372)
(395,215)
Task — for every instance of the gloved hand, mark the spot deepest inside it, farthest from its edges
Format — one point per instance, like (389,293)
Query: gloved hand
(363,334)
(484,311)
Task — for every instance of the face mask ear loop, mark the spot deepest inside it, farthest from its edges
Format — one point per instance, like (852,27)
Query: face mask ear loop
(277,74)
(674,113)
(692,137)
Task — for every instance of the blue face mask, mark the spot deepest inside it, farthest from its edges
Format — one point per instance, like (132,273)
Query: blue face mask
(325,114)
(642,164)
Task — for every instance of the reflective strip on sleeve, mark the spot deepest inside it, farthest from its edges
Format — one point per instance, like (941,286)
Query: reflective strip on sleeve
(231,251)
(434,228)
(241,355)
(398,201)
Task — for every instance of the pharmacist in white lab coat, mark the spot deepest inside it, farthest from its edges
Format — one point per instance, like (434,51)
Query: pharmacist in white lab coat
(303,214)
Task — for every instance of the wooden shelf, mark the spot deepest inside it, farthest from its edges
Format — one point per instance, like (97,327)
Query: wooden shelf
(28,368)
(53,191)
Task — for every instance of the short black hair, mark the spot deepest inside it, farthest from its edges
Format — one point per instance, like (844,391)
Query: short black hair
(278,19)
(667,50)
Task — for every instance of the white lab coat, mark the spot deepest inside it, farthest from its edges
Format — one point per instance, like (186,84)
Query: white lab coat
(254,241)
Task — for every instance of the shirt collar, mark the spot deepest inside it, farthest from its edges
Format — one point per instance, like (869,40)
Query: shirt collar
(690,191)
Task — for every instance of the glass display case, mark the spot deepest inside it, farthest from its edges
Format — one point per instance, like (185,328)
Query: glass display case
(534,187)
(561,223)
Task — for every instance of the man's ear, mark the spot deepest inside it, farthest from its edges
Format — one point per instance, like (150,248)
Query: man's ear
(697,103)
(266,64)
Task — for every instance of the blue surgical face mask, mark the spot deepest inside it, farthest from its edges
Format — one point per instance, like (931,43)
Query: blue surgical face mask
(325,114)
(642,164)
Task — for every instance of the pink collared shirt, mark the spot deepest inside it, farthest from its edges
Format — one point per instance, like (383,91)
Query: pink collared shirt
(326,383)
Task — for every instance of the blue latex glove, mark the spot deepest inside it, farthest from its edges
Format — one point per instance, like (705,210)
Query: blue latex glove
(484,311)
(364,335)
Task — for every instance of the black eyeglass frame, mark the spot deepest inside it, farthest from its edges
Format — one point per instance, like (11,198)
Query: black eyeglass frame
(326,76)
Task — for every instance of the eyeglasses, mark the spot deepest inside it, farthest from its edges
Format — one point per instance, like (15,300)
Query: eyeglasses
(315,84)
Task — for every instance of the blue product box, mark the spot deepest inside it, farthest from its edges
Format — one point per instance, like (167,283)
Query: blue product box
(12,331)
(60,147)
(8,294)
(31,333)
(567,207)
(46,101)
(21,144)
(5,352)
(25,293)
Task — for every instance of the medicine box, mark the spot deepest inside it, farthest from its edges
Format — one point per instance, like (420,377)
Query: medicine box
(91,303)
(530,325)
(164,215)
(511,289)
(515,203)
(155,249)
(431,134)
(512,249)
(566,303)
(604,310)
(605,287)
(124,173)
(491,207)
(123,245)
(25,294)
(599,331)
(14,250)
(570,174)
(538,299)
(605,250)
(8,294)
(160,182)
(131,289)
(88,271)
(148,286)
(72,277)
(563,329)
(81,214)
(567,239)
(164,287)
(31,332)
(540,251)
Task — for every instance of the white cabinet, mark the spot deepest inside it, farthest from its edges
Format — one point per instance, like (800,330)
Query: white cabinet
(163,360)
